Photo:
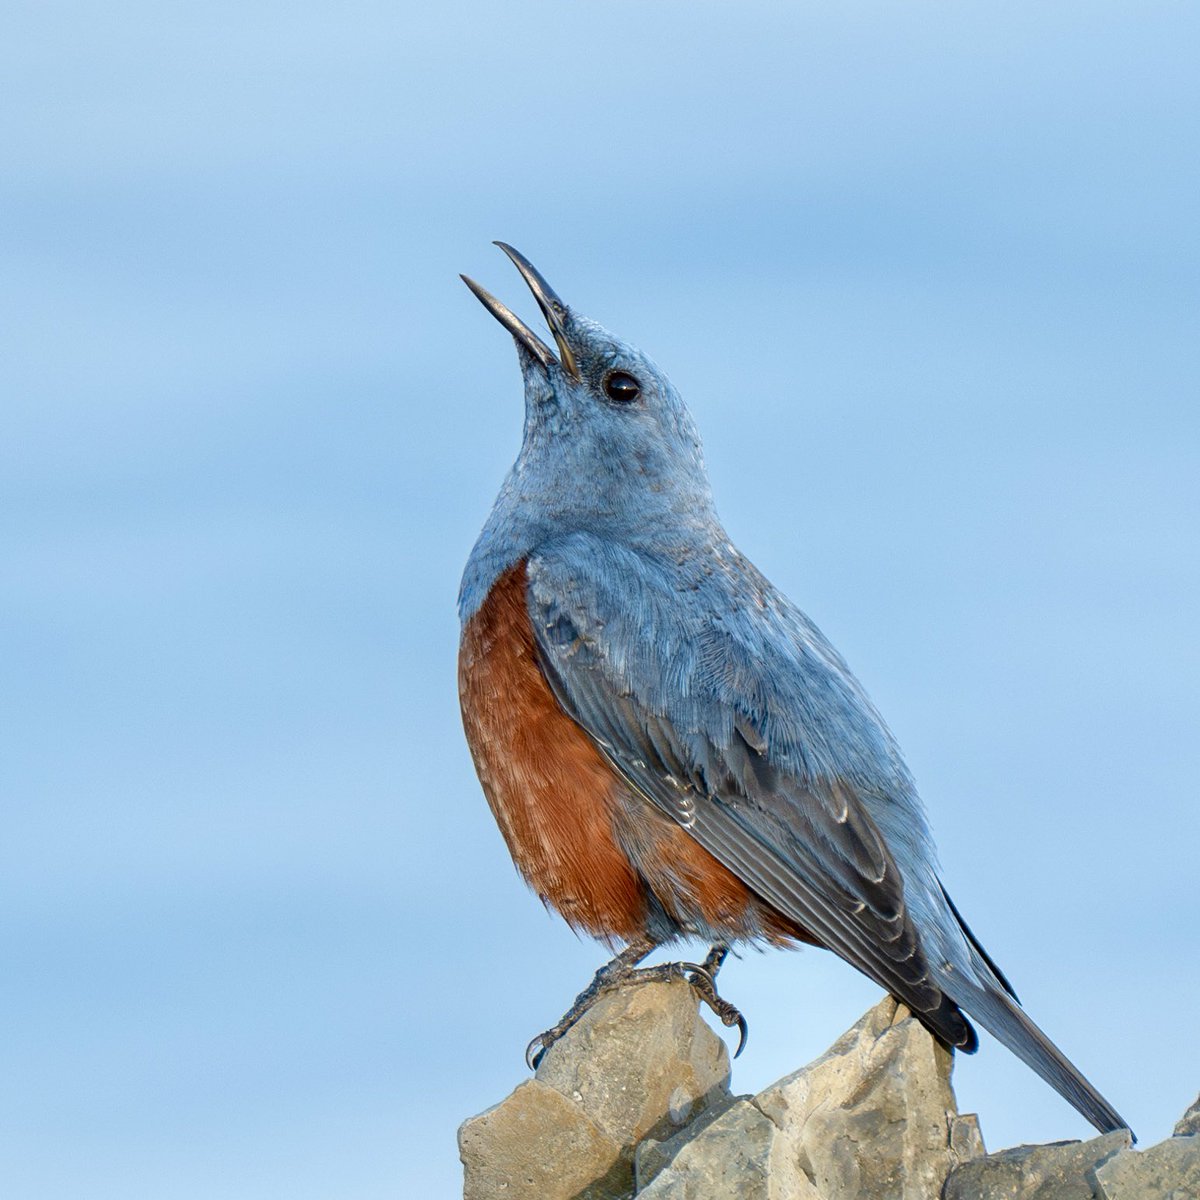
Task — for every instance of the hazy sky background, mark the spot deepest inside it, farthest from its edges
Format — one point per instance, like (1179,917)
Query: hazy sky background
(927,274)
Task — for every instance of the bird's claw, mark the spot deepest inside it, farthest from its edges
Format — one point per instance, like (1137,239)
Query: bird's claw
(743,1033)
(701,977)
(536,1051)
(690,970)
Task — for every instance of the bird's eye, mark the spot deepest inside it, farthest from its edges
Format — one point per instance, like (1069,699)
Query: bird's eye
(622,387)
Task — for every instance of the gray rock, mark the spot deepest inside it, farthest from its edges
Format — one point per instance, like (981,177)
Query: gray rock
(641,1062)
(636,1098)
(874,1117)
(652,1154)
(1058,1171)
(871,1119)
(966,1138)
(1189,1123)
(1168,1171)
(538,1145)
(736,1156)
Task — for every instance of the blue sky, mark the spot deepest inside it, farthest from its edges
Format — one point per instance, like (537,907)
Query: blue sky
(927,275)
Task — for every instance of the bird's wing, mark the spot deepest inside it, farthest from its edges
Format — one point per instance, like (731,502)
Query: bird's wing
(695,704)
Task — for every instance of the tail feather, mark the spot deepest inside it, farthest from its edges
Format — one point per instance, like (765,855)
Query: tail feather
(987,958)
(1000,1015)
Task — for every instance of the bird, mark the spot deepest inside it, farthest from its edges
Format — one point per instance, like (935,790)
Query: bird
(672,750)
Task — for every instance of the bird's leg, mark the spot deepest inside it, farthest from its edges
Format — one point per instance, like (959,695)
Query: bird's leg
(703,978)
(623,969)
(609,977)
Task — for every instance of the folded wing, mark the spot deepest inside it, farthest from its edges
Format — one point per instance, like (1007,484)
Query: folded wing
(688,714)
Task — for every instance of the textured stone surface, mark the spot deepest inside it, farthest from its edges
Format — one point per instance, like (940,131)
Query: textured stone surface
(734,1157)
(1189,1123)
(966,1139)
(1058,1171)
(537,1145)
(641,1062)
(1168,1171)
(871,1119)
(874,1116)
(653,1154)
(636,1097)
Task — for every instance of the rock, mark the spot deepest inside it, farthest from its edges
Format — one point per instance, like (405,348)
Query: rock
(635,1099)
(966,1138)
(640,1062)
(736,1156)
(1168,1171)
(1058,1171)
(1189,1123)
(1105,1168)
(536,1144)
(652,1155)
(874,1116)
(872,1119)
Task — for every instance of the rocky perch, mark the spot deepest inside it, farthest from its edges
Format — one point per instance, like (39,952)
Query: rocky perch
(635,1101)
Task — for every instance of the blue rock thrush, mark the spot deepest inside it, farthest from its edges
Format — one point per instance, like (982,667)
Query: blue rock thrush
(670,747)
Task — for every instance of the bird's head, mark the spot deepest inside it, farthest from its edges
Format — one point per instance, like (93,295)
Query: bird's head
(608,440)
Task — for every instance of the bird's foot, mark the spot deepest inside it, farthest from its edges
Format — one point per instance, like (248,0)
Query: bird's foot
(611,976)
(622,970)
(703,978)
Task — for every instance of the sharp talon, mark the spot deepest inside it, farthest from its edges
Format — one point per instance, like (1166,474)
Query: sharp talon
(536,1051)
(609,977)
(702,977)
(743,1034)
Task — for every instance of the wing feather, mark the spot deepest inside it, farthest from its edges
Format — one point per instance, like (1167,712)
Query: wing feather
(808,846)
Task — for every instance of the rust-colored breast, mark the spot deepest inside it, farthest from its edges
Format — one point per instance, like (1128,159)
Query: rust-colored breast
(589,848)
(552,794)
(699,892)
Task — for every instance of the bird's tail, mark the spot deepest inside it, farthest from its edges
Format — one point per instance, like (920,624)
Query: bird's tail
(1005,1020)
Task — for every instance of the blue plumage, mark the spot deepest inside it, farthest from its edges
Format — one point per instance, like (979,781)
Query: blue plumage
(716,701)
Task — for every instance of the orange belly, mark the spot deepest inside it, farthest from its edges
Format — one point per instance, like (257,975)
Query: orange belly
(566,815)
(552,794)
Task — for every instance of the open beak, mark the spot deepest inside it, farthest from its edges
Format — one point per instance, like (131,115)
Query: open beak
(553,309)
